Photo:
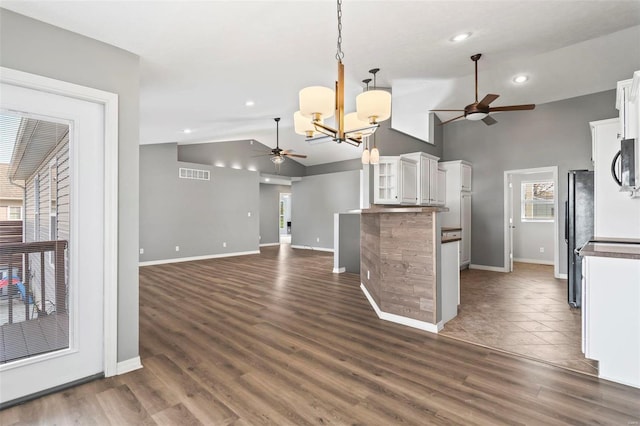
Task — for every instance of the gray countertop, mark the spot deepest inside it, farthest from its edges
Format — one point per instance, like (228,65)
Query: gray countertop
(625,248)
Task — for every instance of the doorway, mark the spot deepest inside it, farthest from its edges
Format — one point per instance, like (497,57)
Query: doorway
(284,218)
(66,287)
(531,218)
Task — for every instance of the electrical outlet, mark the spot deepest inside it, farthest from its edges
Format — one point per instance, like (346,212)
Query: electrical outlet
(248,214)
(317,239)
(224,244)
(541,249)
(177,248)
(141,251)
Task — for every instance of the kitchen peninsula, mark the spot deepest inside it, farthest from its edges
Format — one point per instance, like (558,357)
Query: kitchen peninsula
(400,264)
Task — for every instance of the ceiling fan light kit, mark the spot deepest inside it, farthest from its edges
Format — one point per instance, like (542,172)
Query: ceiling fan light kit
(277,154)
(318,103)
(480,111)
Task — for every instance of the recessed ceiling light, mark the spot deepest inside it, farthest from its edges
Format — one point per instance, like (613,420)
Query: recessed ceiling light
(520,78)
(249,103)
(187,131)
(460,37)
(267,179)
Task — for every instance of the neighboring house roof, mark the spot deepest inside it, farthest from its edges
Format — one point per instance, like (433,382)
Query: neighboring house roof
(7,190)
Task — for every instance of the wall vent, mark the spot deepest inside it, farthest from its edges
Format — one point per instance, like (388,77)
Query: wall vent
(196,174)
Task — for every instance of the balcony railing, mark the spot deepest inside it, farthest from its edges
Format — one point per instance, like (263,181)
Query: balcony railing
(15,259)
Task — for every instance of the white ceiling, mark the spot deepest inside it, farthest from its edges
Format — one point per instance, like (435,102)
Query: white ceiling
(201,61)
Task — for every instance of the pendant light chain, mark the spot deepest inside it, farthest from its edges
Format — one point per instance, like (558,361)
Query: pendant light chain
(339,52)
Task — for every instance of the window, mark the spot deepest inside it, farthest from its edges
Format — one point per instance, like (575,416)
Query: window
(53,204)
(537,201)
(14,213)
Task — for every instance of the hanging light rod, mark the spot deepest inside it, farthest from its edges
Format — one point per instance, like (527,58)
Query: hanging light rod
(318,103)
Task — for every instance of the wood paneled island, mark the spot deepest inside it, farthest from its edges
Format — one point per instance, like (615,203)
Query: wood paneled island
(400,262)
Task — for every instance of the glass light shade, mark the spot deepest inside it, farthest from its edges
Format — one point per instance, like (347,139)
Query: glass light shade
(352,122)
(365,156)
(277,159)
(475,116)
(374,106)
(374,158)
(303,125)
(317,100)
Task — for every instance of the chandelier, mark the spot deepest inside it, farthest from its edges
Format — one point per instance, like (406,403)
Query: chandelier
(318,103)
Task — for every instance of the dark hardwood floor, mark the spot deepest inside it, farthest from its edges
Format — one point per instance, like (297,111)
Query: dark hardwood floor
(276,338)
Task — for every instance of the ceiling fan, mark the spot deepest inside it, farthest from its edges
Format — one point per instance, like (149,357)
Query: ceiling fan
(480,110)
(278,154)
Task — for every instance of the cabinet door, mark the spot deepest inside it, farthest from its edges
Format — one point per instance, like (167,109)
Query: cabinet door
(433,181)
(385,185)
(424,180)
(442,188)
(465,176)
(465,219)
(408,181)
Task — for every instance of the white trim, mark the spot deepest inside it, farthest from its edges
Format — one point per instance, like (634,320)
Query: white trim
(398,319)
(505,229)
(110,103)
(489,268)
(536,261)
(269,244)
(128,365)
(192,258)
(561,276)
(339,270)
(312,248)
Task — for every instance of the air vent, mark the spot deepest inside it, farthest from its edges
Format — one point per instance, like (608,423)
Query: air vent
(196,174)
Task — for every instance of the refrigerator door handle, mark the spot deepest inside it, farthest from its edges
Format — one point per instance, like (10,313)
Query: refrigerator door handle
(566,221)
(614,173)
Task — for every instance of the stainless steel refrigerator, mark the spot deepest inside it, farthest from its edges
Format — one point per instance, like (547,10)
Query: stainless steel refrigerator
(578,229)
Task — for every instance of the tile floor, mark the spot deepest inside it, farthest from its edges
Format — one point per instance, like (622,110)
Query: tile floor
(524,312)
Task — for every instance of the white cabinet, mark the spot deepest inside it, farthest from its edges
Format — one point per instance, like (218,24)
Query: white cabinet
(427,178)
(458,201)
(450,280)
(628,104)
(442,188)
(395,181)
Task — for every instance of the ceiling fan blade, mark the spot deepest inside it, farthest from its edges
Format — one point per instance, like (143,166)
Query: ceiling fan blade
(458,110)
(294,155)
(449,121)
(488,99)
(513,108)
(489,120)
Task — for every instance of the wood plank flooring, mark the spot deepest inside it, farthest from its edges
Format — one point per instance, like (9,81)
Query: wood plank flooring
(276,338)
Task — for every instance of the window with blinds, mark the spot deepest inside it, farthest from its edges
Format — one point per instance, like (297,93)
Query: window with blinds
(537,201)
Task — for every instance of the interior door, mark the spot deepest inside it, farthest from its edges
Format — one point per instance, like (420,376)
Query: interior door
(82,356)
(512,225)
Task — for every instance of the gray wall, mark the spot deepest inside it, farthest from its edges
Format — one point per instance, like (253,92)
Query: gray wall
(554,134)
(199,216)
(338,166)
(35,47)
(529,237)
(315,200)
(238,154)
(269,202)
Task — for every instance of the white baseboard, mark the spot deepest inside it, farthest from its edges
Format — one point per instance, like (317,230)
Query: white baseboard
(190,259)
(129,365)
(339,270)
(312,248)
(561,276)
(488,268)
(269,244)
(398,319)
(536,261)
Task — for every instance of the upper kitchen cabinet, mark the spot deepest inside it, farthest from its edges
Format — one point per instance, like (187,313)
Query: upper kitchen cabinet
(395,181)
(427,179)
(458,175)
(628,104)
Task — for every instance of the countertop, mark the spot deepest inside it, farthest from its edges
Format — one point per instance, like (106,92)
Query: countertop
(624,248)
(376,209)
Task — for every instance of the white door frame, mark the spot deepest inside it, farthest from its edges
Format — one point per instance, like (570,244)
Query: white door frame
(507,207)
(110,103)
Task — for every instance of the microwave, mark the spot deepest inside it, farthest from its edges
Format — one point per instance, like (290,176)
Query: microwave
(625,167)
